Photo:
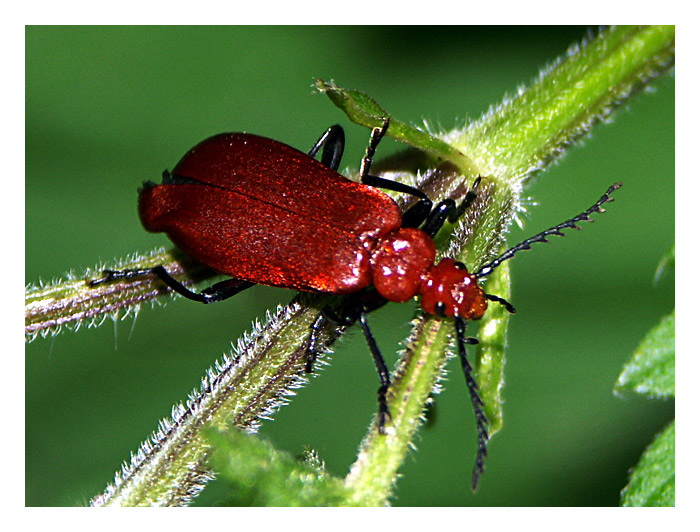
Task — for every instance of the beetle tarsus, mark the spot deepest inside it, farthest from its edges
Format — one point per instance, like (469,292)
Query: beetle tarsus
(109,276)
(375,138)
(383,414)
(311,349)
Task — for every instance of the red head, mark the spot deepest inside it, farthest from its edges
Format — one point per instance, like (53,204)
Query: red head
(449,289)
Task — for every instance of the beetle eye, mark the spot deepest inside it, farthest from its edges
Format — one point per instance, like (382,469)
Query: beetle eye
(460,266)
(440,309)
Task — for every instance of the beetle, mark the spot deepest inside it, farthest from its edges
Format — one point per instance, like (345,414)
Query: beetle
(263,212)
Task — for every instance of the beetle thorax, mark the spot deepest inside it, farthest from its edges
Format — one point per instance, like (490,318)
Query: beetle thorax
(449,289)
(399,262)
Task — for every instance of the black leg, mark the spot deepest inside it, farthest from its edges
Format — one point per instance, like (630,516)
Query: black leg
(416,214)
(356,308)
(448,210)
(224,290)
(333,142)
(311,347)
(218,292)
(374,140)
(481,420)
(384,380)
(366,301)
(327,316)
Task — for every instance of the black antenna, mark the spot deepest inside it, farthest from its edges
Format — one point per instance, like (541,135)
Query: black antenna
(481,421)
(556,230)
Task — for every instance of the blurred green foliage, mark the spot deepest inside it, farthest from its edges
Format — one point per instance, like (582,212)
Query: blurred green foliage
(108,107)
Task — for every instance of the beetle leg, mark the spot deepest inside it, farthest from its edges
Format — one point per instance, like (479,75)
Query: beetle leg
(364,301)
(217,292)
(328,315)
(311,350)
(395,186)
(356,308)
(114,275)
(384,378)
(225,289)
(448,210)
(374,139)
(416,214)
(333,142)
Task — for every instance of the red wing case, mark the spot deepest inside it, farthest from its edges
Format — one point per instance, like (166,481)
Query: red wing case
(259,210)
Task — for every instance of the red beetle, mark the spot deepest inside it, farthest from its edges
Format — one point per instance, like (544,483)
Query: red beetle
(263,212)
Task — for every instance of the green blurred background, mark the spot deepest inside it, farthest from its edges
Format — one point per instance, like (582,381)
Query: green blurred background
(107,108)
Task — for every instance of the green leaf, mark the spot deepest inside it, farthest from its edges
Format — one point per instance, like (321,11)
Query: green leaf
(260,475)
(653,482)
(667,261)
(652,369)
(364,111)
(652,372)
(491,349)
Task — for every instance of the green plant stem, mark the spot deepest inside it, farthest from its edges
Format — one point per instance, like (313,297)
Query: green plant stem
(72,302)
(245,386)
(524,134)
